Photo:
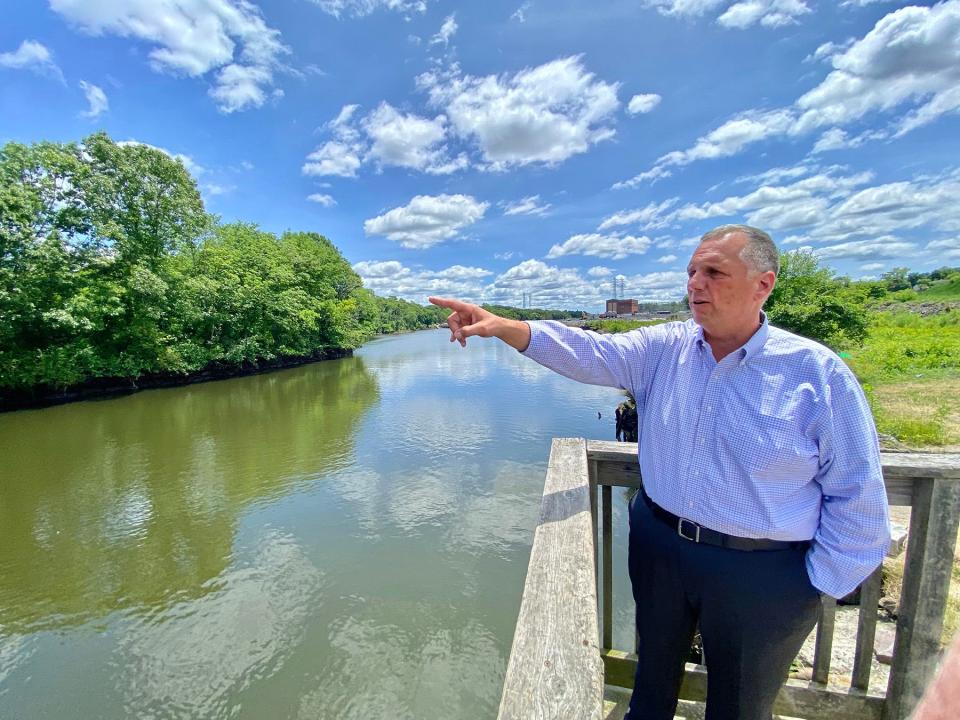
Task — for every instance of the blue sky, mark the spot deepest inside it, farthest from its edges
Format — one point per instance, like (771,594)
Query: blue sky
(486,150)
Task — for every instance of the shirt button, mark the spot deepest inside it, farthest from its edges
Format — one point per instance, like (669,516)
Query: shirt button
(702,441)
(690,503)
(710,408)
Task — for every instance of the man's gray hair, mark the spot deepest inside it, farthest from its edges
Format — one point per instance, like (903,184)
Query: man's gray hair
(760,253)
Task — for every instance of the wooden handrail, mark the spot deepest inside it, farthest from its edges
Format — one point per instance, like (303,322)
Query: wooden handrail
(561,658)
(930,485)
(555,670)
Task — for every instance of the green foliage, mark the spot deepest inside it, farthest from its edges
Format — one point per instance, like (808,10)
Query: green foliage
(945,288)
(532,313)
(810,301)
(618,325)
(110,267)
(897,278)
(906,344)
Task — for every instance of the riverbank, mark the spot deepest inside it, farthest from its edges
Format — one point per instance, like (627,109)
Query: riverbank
(97,388)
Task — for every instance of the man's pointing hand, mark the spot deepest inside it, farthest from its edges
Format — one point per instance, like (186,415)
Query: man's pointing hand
(467,319)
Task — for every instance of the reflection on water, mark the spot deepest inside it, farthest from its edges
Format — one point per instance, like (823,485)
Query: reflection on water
(133,502)
(196,657)
(346,539)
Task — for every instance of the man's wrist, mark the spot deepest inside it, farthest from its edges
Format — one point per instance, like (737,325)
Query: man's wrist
(515,333)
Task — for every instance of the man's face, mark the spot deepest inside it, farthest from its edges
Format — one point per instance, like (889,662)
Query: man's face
(725,296)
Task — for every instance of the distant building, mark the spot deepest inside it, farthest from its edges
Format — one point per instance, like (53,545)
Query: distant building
(622,307)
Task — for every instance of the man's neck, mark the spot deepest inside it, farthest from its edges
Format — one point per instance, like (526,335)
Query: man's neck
(721,346)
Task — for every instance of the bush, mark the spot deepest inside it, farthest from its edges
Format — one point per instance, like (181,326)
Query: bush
(810,301)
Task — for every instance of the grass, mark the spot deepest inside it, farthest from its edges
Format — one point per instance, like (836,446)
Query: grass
(618,325)
(910,369)
(948,289)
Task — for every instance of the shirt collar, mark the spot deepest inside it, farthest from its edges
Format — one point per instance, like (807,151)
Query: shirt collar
(751,347)
(758,340)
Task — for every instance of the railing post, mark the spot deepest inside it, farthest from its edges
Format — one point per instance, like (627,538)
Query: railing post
(607,511)
(926,582)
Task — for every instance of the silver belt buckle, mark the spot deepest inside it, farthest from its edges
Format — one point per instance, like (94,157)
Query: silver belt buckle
(696,534)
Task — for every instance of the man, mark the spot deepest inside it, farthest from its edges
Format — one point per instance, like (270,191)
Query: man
(761,473)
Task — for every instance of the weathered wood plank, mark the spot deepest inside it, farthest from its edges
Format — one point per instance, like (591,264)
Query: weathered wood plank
(866,630)
(941,466)
(618,461)
(926,581)
(618,474)
(604,450)
(555,671)
(607,574)
(594,525)
(899,491)
(796,699)
(824,646)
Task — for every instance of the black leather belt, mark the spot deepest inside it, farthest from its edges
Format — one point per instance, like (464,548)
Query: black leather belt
(689,530)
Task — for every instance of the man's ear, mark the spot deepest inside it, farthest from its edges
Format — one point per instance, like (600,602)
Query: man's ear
(766,282)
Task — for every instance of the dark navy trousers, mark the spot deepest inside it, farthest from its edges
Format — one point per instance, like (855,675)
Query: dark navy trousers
(754,610)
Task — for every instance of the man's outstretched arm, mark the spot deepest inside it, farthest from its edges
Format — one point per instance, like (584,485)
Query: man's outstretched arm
(467,319)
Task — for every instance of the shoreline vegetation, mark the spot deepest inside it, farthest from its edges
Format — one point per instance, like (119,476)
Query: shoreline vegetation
(113,277)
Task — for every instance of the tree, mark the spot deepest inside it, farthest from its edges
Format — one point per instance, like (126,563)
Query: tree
(897,278)
(86,233)
(810,301)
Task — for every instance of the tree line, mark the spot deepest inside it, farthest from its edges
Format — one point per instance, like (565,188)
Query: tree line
(110,267)
(813,301)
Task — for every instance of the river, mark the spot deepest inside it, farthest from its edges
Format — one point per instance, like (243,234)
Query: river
(347,539)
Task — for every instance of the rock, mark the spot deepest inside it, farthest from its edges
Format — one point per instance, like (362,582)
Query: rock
(890,606)
(883,642)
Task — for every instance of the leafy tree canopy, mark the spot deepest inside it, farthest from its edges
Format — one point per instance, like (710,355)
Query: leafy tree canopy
(810,301)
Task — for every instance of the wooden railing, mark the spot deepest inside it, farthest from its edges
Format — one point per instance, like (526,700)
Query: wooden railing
(563,653)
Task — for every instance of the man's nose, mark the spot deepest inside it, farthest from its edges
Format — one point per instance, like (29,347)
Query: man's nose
(694,281)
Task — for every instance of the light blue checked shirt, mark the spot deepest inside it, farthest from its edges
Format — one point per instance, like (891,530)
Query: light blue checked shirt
(774,441)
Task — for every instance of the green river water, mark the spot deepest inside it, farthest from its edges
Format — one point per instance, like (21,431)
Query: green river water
(347,539)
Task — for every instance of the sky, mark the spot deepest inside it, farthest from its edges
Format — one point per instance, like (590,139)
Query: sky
(490,150)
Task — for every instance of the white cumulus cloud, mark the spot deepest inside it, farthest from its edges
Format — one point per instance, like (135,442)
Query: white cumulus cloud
(320,198)
(385,137)
(409,141)
(906,63)
(653,174)
(392,278)
(33,56)
(530,205)
(742,14)
(544,114)
(427,220)
(909,56)
(643,103)
(96,100)
(332,158)
(193,38)
(769,13)
(650,217)
(447,31)
(614,247)
(360,8)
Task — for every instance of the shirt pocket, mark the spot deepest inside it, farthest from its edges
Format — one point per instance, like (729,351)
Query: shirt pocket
(773,448)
